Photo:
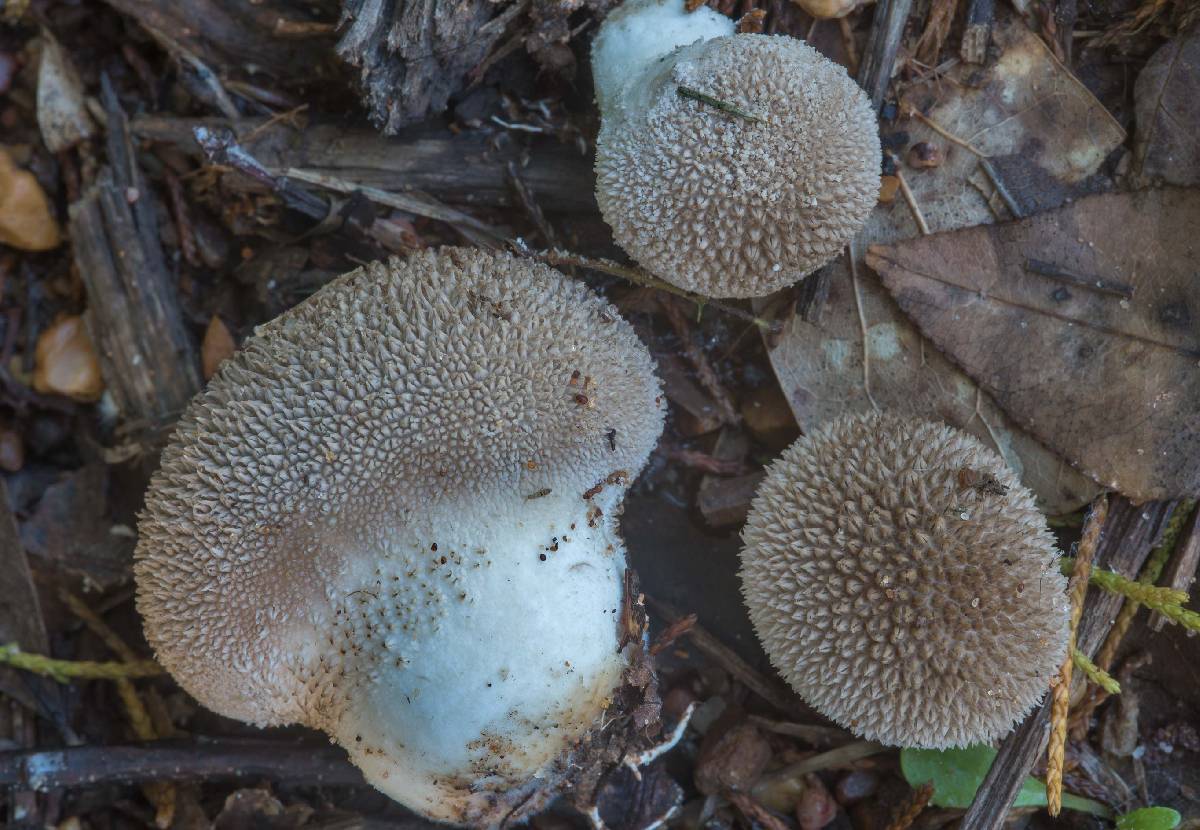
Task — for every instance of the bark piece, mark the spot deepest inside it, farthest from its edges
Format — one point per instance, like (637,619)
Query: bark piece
(413,54)
(463,168)
(1083,323)
(146,354)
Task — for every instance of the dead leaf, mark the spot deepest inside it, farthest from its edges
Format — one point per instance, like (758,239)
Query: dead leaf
(217,346)
(1167,142)
(66,362)
(72,528)
(61,111)
(25,218)
(1083,323)
(1024,113)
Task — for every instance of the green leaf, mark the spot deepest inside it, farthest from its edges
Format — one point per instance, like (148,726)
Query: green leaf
(1150,818)
(957,773)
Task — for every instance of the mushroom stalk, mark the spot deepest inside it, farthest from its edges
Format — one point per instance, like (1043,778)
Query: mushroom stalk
(637,36)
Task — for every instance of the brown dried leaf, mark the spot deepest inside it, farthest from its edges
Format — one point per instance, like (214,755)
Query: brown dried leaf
(217,346)
(66,362)
(61,112)
(1024,112)
(1111,382)
(1167,142)
(25,218)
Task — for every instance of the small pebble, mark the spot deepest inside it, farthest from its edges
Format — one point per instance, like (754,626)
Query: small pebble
(856,786)
(816,807)
(66,362)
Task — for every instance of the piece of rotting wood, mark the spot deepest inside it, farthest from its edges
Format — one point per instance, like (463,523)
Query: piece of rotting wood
(1128,536)
(879,59)
(466,169)
(1181,570)
(977,34)
(146,355)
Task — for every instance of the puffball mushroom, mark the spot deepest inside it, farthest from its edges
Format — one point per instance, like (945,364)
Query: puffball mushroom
(728,164)
(903,582)
(392,517)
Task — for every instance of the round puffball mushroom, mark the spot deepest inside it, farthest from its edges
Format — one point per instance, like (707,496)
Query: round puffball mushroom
(728,164)
(904,583)
(392,517)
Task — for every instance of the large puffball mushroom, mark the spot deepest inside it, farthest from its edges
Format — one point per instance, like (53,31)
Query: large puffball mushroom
(392,517)
(903,582)
(728,164)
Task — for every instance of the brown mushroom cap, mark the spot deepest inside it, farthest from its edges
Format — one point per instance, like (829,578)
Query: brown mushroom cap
(903,582)
(728,206)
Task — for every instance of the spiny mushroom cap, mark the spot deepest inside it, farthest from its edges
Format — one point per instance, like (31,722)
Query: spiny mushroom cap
(390,516)
(729,207)
(903,582)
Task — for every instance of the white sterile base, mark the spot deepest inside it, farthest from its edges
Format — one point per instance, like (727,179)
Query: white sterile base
(639,33)
(480,665)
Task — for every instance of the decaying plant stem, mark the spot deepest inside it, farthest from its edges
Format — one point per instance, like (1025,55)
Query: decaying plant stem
(1061,700)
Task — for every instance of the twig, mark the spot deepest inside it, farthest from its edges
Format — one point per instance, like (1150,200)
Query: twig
(1055,754)
(1150,573)
(978,32)
(476,231)
(911,200)
(807,732)
(833,759)
(852,61)
(66,670)
(178,760)
(1181,570)
(879,59)
(705,373)
(672,633)
(912,807)
(715,103)
(727,659)
(605,266)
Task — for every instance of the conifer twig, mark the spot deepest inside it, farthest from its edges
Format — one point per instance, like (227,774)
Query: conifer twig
(1094,673)
(66,670)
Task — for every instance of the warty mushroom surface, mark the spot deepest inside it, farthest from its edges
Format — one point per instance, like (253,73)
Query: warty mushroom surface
(902,580)
(392,516)
(728,164)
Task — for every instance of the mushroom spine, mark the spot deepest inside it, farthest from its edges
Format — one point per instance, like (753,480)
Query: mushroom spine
(392,517)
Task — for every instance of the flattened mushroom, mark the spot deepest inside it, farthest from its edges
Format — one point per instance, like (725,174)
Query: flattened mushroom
(728,164)
(903,582)
(391,516)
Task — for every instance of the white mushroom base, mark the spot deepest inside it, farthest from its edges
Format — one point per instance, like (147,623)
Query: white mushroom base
(469,670)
